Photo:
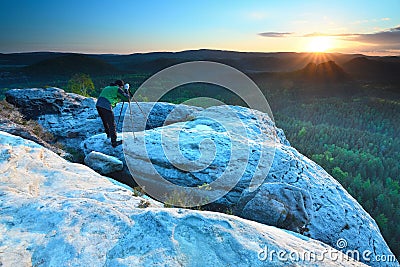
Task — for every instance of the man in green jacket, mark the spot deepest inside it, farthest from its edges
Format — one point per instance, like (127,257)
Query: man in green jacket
(107,100)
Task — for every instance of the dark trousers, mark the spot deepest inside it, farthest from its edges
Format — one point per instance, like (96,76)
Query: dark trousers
(107,117)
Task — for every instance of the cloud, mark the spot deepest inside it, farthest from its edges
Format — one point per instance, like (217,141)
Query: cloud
(275,34)
(391,36)
(388,37)
(380,41)
(318,34)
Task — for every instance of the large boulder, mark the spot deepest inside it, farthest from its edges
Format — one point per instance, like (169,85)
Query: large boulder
(149,115)
(71,118)
(55,213)
(103,164)
(279,204)
(295,193)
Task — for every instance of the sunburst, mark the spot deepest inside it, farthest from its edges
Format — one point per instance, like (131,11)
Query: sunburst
(320,44)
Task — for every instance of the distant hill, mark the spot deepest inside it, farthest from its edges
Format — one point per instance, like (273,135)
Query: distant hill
(326,67)
(26,59)
(375,70)
(244,61)
(154,61)
(153,66)
(328,72)
(70,64)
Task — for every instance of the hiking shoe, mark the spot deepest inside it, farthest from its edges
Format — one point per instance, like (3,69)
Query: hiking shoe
(116,143)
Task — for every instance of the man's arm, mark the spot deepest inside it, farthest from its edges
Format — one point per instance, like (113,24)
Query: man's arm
(122,95)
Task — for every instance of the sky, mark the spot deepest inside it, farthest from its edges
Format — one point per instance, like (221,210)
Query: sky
(132,26)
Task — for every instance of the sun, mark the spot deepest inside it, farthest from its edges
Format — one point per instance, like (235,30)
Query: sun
(320,44)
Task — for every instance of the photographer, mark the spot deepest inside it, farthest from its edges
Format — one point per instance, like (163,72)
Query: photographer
(107,100)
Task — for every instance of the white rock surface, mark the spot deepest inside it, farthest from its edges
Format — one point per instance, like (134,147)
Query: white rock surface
(296,194)
(104,164)
(56,213)
(69,117)
(25,132)
(158,114)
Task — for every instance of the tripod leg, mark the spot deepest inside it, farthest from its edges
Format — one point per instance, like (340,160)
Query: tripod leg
(130,112)
(120,113)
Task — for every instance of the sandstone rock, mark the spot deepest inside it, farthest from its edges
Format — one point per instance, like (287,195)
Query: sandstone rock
(55,213)
(69,117)
(157,114)
(295,194)
(100,143)
(26,133)
(280,204)
(104,164)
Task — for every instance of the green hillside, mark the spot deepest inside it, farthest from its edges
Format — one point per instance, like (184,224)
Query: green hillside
(70,64)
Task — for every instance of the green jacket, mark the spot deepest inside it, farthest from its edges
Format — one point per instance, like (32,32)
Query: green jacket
(114,95)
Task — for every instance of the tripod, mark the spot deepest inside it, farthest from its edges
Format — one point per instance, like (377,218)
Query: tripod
(126,87)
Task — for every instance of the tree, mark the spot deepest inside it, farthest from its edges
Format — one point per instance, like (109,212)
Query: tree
(382,221)
(339,174)
(81,84)
(302,132)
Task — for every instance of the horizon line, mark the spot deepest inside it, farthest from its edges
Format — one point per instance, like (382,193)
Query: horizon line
(188,50)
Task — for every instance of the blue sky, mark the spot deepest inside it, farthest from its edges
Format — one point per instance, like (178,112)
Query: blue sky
(127,26)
